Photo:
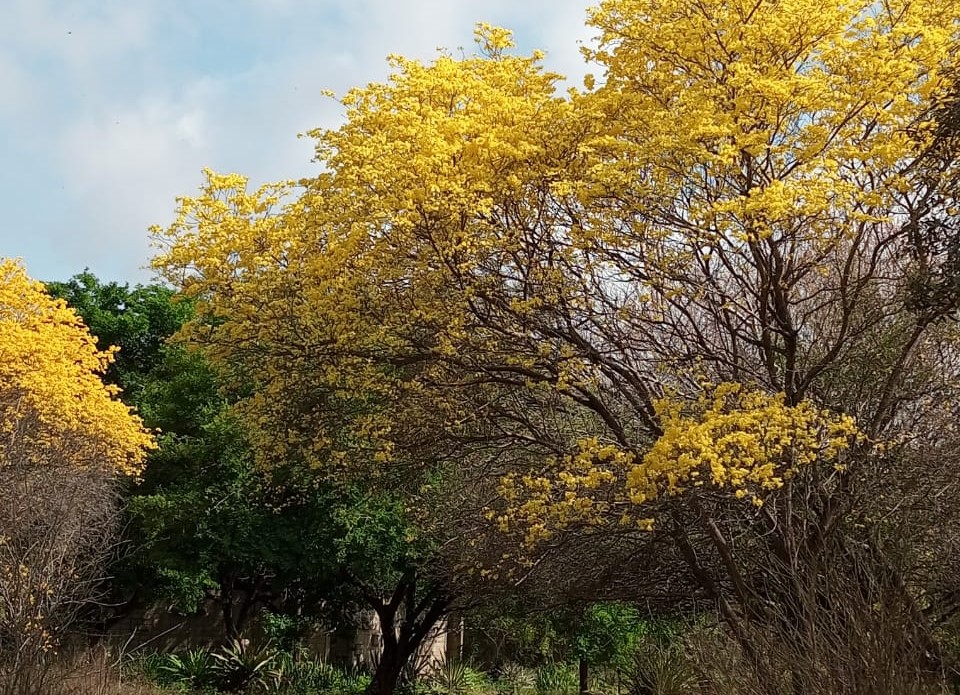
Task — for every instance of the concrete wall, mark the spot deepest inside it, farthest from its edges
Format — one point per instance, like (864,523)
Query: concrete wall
(158,629)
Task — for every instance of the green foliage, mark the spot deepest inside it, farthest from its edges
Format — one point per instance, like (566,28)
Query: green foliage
(239,666)
(556,678)
(607,634)
(449,677)
(137,320)
(203,517)
(149,665)
(452,676)
(515,679)
(603,634)
(477,681)
(523,639)
(374,538)
(284,631)
(199,517)
(193,668)
(299,673)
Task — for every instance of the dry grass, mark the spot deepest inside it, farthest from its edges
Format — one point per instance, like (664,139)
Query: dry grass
(94,672)
(879,668)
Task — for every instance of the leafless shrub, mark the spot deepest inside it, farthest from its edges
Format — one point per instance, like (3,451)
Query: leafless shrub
(96,671)
(865,643)
(57,528)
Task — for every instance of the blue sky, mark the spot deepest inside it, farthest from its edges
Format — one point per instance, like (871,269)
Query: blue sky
(109,109)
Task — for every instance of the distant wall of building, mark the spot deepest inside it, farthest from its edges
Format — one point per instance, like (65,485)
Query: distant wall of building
(156,628)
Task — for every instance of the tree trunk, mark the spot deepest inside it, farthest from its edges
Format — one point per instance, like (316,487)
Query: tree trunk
(389,668)
(584,676)
(405,623)
(227,612)
(391,661)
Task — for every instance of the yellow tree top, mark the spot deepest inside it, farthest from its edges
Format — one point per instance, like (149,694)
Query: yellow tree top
(485,254)
(54,408)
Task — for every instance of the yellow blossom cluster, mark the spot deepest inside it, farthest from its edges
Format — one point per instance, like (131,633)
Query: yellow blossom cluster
(731,439)
(54,408)
(745,441)
(378,256)
(763,112)
(580,488)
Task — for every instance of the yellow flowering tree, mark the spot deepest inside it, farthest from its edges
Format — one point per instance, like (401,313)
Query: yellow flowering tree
(673,304)
(54,408)
(64,439)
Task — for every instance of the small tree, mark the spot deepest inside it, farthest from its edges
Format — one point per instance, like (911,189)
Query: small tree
(65,439)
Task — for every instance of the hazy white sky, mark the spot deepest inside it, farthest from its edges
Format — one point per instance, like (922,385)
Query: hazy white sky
(109,109)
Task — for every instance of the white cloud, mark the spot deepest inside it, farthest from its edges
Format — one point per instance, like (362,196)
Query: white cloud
(88,41)
(18,95)
(122,170)
(130,99)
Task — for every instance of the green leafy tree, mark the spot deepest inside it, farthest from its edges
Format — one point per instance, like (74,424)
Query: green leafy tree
(603,635)
(203,522)
(137,320)
(207,521)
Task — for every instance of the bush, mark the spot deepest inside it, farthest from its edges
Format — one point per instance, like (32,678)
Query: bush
(239,666)
(556,678)
(194,668)
(515,679)
(57,529)
(661,669)
(454,677)
(478,681)
(285,632)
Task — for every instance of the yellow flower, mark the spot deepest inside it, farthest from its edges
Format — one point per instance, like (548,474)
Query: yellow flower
(54,408)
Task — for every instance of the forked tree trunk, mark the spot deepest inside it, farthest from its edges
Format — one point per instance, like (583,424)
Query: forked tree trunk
(405,622)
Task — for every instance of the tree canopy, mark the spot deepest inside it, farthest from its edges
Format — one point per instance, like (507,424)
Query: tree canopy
(55,409)
(677,306)
(205,523)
